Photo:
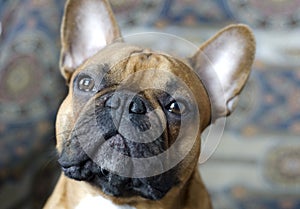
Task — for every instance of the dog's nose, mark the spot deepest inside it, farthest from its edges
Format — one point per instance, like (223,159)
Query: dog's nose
(137,106)
(134,105)
(123,110)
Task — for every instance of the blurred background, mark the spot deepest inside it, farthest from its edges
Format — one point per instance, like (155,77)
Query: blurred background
(257,164)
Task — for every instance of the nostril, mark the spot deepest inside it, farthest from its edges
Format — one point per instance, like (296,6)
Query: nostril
(113,102)
(137,106)
(104,172)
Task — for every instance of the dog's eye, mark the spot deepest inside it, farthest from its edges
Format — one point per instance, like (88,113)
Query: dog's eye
(86,83)
(176,107)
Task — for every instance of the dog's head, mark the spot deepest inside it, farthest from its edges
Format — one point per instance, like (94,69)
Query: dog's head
(132,121)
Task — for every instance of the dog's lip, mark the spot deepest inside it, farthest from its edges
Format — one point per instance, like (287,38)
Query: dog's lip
(84,170)
(91,172)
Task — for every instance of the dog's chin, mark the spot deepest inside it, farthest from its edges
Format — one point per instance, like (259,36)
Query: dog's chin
(153,188)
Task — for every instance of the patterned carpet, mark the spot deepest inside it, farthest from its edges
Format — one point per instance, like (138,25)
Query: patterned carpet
(30,92)
(257,164)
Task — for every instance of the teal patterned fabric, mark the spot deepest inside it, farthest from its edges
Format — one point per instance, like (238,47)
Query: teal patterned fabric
(31,89)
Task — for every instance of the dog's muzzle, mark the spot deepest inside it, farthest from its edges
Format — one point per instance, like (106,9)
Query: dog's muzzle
(125,124)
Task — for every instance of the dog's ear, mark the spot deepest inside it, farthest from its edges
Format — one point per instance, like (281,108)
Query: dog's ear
(87,27)
(223,63)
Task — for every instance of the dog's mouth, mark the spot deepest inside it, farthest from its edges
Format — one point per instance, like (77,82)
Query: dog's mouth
(111,183)
(153,188)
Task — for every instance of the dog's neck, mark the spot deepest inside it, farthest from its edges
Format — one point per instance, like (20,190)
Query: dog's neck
(80,195)
(95,199)
(99,202)
(179,199)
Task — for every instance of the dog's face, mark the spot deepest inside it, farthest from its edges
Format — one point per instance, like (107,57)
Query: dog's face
(132,121)
(126,108)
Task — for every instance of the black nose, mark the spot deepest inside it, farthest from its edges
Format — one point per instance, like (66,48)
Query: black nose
(123,102)
(137,106)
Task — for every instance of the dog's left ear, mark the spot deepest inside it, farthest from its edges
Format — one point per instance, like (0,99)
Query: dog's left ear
(87,27)
(223,64)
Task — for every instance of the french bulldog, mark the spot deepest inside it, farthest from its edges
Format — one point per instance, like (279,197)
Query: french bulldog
(129,130)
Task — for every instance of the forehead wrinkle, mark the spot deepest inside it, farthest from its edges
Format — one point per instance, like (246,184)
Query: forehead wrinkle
(145,69)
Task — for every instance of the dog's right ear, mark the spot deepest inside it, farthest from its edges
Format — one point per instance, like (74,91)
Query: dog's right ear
(87,27)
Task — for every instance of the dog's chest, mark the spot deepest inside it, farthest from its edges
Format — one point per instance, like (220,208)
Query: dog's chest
(98,202)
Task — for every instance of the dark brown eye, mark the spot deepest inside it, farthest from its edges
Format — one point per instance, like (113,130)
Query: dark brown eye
(86,83)
(177,108)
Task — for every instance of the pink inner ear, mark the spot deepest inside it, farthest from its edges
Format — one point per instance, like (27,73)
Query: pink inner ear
(93,27)
(89,26)
(226,57)
(224,64)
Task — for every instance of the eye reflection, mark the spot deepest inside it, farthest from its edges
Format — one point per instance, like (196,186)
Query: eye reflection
(176,107)
(86,83)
